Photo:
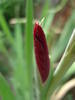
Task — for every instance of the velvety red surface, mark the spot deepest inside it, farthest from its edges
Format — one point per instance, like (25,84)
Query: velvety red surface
(41,52)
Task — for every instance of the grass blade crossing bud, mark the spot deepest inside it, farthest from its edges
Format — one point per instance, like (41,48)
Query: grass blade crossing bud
(41,52)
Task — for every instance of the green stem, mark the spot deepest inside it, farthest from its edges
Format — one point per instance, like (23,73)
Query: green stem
(29,51)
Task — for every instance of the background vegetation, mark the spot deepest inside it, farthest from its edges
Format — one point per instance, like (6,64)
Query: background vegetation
(19,77)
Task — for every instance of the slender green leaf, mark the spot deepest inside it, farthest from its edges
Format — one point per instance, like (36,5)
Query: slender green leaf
(47,23)
(64,38)
(6,3)
(70,72)
(18,44)
(29,51)
(5,28)
(19,70)
(59,6)
(50,14)
(63,66)
(5,91)
(48,17)
(45,8)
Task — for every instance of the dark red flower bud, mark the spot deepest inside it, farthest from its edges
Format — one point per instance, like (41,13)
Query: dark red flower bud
(41,52)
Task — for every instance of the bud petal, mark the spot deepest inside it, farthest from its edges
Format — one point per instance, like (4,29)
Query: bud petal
(41,52)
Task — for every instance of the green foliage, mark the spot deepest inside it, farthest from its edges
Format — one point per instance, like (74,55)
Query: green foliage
(17,45)
(5,28)
(64,38)
(6,3)
(5,91)
(29,51)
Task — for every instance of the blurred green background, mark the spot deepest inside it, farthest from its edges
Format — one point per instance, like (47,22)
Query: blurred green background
(58,24)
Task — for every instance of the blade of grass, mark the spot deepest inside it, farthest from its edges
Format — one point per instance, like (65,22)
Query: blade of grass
(4,4)
(19,70)
(64,38)
(49,17)
(47,23)
(59,7)
(50,14)
(45,8)
(70,72)
(18,45)
(69,45)
(58,78)
(66,61)
(36,85)
(29,51)
(5,28)
(4,50)
(5,91)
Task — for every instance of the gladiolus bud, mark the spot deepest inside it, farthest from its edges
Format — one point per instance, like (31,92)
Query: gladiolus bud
(41,52)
